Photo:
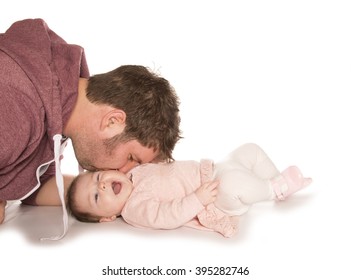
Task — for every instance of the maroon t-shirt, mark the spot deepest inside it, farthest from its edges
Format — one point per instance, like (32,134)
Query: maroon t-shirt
(39,77)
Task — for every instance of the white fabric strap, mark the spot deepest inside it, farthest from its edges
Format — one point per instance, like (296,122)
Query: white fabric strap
(60,187)
(80,169)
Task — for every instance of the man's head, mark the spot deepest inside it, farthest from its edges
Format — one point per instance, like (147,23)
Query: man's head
(138,120)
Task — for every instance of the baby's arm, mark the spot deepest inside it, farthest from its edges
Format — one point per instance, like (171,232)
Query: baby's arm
(144,210)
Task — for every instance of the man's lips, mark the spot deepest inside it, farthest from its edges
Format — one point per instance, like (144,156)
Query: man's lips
(116,187)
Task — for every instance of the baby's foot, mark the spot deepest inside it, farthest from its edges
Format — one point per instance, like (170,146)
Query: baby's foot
(290,181)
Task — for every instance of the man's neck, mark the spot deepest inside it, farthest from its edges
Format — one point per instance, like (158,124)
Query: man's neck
(77,112)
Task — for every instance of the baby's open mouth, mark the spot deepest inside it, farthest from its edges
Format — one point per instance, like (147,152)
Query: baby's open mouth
(116,187)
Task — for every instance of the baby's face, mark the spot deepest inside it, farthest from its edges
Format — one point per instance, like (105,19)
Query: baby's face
(103,193)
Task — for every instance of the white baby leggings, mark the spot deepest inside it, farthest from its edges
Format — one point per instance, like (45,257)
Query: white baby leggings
(244,177)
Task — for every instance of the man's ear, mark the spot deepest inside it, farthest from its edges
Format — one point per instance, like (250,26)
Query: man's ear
(113,123)
(108,219)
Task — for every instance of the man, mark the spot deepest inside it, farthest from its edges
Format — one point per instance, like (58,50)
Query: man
(115,120)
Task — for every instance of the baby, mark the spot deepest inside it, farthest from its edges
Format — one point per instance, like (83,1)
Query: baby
(201,195)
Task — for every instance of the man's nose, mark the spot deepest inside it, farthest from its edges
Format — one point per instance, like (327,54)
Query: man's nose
(128,166)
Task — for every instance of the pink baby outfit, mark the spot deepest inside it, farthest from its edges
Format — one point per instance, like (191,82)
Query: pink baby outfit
(164,198)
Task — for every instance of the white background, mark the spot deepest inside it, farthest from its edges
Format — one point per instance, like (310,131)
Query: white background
(276,73)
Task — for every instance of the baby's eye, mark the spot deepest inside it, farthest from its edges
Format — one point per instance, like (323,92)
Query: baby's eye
(96,197)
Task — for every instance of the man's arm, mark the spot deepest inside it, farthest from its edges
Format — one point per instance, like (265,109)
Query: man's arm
(2,210)
(48,194)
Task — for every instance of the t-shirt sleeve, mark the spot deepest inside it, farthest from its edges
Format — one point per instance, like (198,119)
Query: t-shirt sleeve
(30,200)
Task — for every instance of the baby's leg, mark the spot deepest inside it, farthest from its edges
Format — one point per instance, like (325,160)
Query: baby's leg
(248,176)
(244,177)
(250,157)
(239,189)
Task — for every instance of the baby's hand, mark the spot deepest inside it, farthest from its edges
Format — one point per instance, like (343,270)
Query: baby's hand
(207,193)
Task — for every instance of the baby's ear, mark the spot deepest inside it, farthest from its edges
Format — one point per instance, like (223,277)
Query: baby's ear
(108,219)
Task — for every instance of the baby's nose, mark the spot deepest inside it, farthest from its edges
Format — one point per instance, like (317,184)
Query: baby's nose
(102,186)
